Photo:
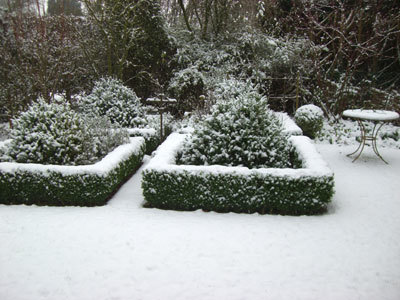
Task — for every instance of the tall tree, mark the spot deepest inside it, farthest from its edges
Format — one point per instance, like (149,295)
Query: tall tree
(135,39)
(211,16)
(42,56)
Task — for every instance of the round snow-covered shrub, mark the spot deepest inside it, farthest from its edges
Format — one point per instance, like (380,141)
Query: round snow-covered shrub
(55,134)
(117,102)
(243,132)
(310,118)
(187,86)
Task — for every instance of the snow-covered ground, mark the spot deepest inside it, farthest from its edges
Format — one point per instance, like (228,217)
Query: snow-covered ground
(124,251)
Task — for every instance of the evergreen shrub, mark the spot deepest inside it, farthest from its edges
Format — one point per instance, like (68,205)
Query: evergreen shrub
(232,88)
(187,86)
(243,132)
(55,134)
(117,102)
(89,185)
(310,118)
(303,191)
(150,135)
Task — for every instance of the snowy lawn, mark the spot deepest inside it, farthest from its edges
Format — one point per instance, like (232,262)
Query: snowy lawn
(124,251)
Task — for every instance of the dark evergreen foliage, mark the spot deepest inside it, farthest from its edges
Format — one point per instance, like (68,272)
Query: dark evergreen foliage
(55,188)
(242,132)
(137,46)
(240,190)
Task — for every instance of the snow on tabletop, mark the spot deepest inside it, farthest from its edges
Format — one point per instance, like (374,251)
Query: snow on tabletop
(164,160)
(369,114)
(101,168)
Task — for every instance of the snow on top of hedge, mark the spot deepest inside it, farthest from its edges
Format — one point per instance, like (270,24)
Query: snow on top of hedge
(309,155)
(290,126)
(143,131)
(101,168)
(313,164)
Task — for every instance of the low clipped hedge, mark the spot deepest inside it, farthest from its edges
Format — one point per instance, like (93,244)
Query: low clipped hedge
(150,135)
(303,191)
(53,185)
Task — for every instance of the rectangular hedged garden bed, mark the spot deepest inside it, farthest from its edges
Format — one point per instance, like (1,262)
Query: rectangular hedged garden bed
(87,185)
(306,190)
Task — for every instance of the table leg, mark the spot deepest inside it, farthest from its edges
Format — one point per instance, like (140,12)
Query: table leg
(362,141)
(364,137)
(374,144)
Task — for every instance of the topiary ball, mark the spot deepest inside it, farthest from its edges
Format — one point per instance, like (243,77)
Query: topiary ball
(310,119)
(117,102)
(243,132)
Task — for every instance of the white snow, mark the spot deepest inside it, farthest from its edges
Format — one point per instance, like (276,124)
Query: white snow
(369,114)
(310,109)
(142,131)
(289,125)
(4,143)
(124,251)
(108,163)
(164,160)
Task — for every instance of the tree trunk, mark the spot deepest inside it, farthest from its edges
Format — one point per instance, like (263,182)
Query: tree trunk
(185,16)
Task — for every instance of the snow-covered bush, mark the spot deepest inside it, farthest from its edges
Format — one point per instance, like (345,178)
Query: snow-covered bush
(310,118)
(169,123)
(2,151)
(243,132)
(151,137)
(306,190)
(88,185)
(229,89)
(187,86)
(101,137)
(117,102)
(4,130)
(55,134)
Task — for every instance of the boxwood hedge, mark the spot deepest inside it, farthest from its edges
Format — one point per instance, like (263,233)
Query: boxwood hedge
(303,191)
(150,135)
(88,185)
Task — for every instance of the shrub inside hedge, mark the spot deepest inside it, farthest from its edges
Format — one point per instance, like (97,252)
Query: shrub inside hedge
(85,185)
(306,190)
(239,132)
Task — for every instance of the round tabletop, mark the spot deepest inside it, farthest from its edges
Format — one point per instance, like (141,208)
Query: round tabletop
(371,114)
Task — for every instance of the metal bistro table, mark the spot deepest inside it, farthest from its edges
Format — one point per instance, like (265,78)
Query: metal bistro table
(378,117)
